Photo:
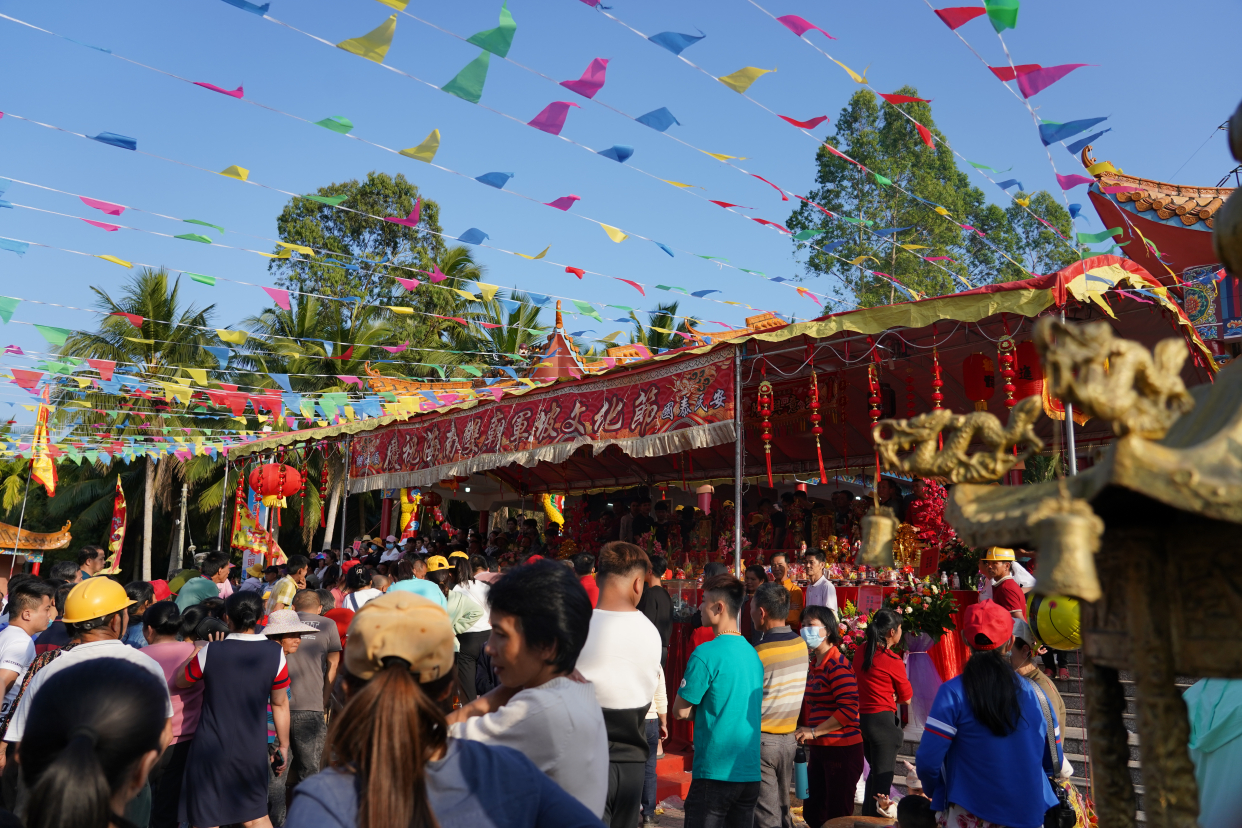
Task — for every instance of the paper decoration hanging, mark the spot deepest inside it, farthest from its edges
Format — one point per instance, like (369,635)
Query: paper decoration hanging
(114,260)
(494,179)
(577,271)
(14,246)
(240,173)
(1055,133)
(280,297)
(114,140)
(337,123)
(232,93)
(618,152)
(194,237)
(742,79)
(811,124)
(801,26)
(1069,182)
(537,255)
(133,318)
(468,83)
(675,42)
(42,464)
(1096,238)
(719,156)
(1032,83)
(105,367)
(399,5)
(426,151)
(250,7)
(472,236)
(1002,13)
(552,119)
(615,234)
(237,338)
(7,305)
(564,202)
(102,225)
(857,78)
(374,44)
(960,15)
(500,39)
(104,207)
(592,79)
(1081,144)
(412,219)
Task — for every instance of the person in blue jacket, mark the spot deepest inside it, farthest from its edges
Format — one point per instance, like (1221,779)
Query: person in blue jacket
(984,758)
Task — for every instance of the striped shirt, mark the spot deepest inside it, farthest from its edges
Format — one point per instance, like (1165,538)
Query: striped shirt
(784,657)
(832,691)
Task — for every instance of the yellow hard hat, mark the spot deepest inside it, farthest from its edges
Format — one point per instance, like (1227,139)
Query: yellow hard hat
(998,553)
(95,598)
(437,562)
(458,554)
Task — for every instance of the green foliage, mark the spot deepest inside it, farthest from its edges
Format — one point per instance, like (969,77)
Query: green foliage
(664,316)
(877,136)
(355,238)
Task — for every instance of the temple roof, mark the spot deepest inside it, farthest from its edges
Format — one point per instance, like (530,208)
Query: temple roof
(1189,204)
(42,541)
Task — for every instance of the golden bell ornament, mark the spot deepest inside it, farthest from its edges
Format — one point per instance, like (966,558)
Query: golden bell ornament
(878,531)
(1067,544)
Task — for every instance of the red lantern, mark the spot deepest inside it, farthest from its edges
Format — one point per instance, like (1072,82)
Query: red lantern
(1006,348)
(937,382)
(432,499)
(979,380)
(274,481)
(1028,378)
(765,411)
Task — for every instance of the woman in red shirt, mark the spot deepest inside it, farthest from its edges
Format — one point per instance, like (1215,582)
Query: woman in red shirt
(882,685)
(829,721)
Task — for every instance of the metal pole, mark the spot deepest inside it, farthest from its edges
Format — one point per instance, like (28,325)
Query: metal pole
(738,455)
(344,490)
(180,555)
(1069,428)
(16,543)
(224,502)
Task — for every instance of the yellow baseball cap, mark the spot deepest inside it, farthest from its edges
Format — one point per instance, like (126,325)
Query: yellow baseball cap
(437,562)
(458,554)
(998,553)
(405,626)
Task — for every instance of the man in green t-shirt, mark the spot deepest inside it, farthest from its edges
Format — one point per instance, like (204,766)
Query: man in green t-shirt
(213,571)
(722,690)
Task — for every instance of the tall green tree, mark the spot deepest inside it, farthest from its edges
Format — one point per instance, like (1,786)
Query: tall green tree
(877,136)
(363,252)
(659,332)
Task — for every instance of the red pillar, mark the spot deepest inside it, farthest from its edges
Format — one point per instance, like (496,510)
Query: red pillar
(483,515)
(386,518)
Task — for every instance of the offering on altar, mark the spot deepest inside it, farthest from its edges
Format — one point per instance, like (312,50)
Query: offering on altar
(926,608)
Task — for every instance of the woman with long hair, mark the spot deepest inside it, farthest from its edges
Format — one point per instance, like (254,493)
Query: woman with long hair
(391,761)
(990,721)
(471,640)
(86,753)
(829,721)
(463,610)
(882,685)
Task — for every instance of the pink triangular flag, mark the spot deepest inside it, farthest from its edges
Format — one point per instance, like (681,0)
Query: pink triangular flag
(634,285)
(102,225)
(395,349)
(801,26)
(280,297)
(564,202)
(234,93)
(552,118)
(412,221)
(350,378)
(489,325)
(436,276)
(107,207)
(408,284)
(1069,182)
(592,79)
(103,366)
(1032,83)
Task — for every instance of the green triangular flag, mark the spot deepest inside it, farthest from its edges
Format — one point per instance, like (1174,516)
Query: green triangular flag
(331,201)
(194,237)
(336,123)
(803,235)
(879,179)
(1002,13)
(586,309)
(471,370)
(7,305)
(468,84)
(210,281)
(500,39)
(54,336)
(204,224)
(625,308)
(374,44)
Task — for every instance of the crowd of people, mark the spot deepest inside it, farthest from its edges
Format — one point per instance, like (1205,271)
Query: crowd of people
(417,684)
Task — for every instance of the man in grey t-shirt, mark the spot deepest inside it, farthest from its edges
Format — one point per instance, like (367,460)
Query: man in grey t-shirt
(312,670)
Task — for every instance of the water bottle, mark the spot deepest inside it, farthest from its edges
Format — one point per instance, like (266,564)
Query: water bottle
(802,786)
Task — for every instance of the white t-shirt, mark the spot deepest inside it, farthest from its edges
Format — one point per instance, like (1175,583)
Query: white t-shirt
(84,652)
(17,650)
(622,658)
(558,726)
(822,594)
(477,590)
(357,600)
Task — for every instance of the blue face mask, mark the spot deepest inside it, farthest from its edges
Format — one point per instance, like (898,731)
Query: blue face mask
(391,545)
(813,636)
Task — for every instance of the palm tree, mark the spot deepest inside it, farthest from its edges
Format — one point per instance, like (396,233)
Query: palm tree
(667,319)
(170,336)
(516,327)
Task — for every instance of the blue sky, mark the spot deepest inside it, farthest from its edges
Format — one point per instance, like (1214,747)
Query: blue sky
(1162,105)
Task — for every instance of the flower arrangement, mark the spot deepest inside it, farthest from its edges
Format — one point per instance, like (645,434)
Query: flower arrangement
(853,629)
(926,608)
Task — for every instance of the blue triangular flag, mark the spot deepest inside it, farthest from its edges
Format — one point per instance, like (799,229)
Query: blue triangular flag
(658,119)
(539,298)
(250,7)
(510,371)
(1078,146)
(282,380)
(663,247)
(888,230)
(509,305)
(473,236)
(120,141)
(1006,184)
(675,42)
(221,354)
(618,152)
(494,179)
(702,293)
(1075,209)
(1053,133)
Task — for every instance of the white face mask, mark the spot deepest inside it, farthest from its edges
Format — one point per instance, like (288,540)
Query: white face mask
(813,636)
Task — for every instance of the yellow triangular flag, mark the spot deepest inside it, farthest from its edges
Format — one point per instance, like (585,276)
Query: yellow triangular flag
(1025,202)
(741,80)
(678,183)
(942,211)
(401,310)
(721,157)
(83,382)
(233,337)
(299,248)
(399,5)
(464,294)
(538,255)
(913,246)
(114,260)
(661,330)
(615,234)
(284,254)
(426,150)
(861,259)
(141,341)
(199,375)
(240,173)
(374,44)
(851,72)
(610,337)
(489,291)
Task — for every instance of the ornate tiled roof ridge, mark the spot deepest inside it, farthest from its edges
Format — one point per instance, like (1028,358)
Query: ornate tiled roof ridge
(1190,204)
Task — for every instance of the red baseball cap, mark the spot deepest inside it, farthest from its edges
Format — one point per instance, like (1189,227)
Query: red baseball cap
(162,592)
(988,619)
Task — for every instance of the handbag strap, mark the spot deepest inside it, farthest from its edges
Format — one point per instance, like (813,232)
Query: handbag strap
(1051,727)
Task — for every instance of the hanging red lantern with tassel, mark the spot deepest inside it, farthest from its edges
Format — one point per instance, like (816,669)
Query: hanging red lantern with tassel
(274,481)
(937,382)
(302,495)
(1006,348)
(978,380)
(815,416)
(323,492)
(765,411)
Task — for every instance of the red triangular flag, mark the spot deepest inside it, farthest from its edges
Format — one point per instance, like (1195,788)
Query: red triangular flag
(811,124)
(900,99)
(348,354)
(103,366)
(1008,73)
(634,285)
(727,204)
(839,154)
(26,379)
(577,271)
(959,15)
(134,319)
(925,134)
